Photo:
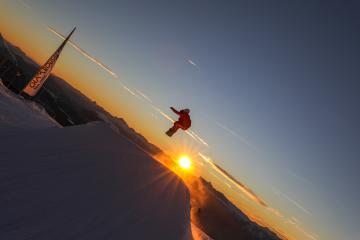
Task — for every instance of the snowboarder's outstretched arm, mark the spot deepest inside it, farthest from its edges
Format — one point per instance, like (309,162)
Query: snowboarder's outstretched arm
(175,111)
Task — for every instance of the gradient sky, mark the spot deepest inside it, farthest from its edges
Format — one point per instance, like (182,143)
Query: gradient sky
(272,87)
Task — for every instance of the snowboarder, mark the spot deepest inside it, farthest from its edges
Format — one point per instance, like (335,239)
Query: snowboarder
(184,121)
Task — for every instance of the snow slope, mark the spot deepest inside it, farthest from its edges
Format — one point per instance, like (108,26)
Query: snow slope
(18,113)
(82,182)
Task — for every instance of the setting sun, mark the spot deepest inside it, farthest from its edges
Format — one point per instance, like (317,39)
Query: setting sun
(184,162)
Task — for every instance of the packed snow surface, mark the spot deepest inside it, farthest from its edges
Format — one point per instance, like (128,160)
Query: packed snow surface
(18,113)
(82,182)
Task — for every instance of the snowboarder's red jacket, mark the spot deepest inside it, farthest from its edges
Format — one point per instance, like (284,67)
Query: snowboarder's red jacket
(184,118)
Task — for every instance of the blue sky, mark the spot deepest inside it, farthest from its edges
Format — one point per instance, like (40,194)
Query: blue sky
(272,87)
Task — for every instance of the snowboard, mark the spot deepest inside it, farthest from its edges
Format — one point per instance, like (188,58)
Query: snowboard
(170,132)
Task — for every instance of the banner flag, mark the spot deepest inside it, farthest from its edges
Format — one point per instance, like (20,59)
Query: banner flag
(33,87)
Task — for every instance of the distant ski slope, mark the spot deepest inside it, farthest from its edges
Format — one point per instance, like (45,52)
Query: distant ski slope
(198,234)
(82,182)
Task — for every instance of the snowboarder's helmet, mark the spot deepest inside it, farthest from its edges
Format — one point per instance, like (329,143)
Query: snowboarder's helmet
(187,110)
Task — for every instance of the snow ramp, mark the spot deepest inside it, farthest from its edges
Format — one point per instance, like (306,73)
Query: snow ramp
(87,182)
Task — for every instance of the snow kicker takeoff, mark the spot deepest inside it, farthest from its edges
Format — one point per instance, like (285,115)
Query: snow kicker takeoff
(184,121)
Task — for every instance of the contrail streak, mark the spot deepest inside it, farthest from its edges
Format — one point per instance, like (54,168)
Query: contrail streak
(192,63)
(295,203)
(131,92)
(143,95)
(236,135)
(199,138)
(291,200)
(84,53)
(79,49)
(24,4)
(162,113)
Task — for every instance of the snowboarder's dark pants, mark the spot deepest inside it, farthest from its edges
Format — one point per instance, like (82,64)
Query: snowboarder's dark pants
(174,128)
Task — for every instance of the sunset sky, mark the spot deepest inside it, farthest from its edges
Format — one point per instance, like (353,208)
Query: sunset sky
(272,86)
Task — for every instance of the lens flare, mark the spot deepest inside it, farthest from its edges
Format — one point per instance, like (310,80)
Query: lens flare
(184,162)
